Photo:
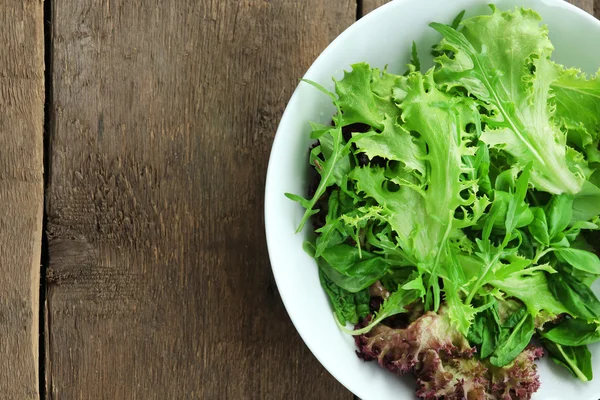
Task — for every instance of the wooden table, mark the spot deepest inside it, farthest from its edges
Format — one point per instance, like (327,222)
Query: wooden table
(145,139)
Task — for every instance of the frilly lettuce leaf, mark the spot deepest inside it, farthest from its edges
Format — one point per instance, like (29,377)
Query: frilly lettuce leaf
(363,100)
(444,363)
(365,96)
(503,60)
(533,291)
(330,158)
(577,100)
(394,143)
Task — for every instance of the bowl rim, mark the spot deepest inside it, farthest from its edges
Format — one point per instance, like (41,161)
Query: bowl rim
(269,232)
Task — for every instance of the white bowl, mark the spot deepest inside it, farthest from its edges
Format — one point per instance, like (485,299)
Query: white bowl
(381,38)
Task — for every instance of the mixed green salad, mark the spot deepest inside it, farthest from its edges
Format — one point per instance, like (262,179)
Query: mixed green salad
(456,210)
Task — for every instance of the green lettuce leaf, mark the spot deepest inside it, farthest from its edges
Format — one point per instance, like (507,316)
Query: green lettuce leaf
(533,291)
(577,360)
(348,307)
(503,60)
(577,100)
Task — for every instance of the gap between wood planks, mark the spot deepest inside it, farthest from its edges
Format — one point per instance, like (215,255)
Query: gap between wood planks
(360,9)
(44,325)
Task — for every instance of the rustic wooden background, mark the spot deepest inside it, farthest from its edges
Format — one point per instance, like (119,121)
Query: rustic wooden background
(159,121)
(21,194)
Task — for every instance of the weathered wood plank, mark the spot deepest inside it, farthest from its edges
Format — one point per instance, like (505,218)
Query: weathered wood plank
(21,194)
(159,281)
(370,5)
(587,5)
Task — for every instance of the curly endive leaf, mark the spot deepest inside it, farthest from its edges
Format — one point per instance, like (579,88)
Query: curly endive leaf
(577,99)
(503,59)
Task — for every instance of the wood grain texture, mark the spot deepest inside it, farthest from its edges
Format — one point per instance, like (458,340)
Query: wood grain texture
(159,285)
(587,5)
(21,194)
(370,5)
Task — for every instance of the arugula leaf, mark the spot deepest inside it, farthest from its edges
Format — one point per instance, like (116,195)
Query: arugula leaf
(475,334)
(485,331)
(574,332)
(333,232)
(333,169)
(514,338)
(436,50)
(521,219)
(511,208)
(516,205)
(414,61)
(539,227)
(559,211)
(577,297)
(457,20)
(578,360)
